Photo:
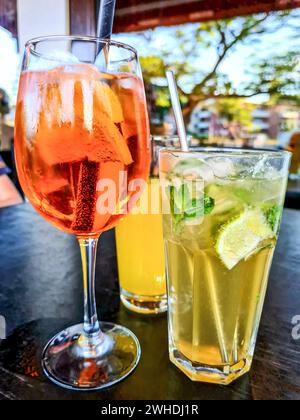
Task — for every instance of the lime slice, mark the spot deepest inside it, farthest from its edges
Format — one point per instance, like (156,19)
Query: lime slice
(241,237)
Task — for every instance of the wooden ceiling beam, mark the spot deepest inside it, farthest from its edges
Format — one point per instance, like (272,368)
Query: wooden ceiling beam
(82,17)
(137,15)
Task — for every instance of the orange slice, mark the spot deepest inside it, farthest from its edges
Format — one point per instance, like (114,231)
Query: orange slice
(59,145)
(107,143)
(129,129)
(49,185)
(107,101)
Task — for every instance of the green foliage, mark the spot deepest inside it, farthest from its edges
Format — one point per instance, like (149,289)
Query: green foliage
(235,110)
(276,76)
(163,98)
(152,67)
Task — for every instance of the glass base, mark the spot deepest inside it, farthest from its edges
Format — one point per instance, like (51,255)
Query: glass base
(144,304)
(222,375)
(76,361)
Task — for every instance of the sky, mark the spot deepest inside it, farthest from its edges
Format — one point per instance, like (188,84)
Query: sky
(9,63)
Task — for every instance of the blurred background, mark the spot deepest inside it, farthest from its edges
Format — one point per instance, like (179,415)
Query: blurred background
(237,64)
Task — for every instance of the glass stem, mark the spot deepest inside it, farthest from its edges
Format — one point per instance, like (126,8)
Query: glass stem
(88,249)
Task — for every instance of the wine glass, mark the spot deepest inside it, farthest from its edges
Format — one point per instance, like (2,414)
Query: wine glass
(82,152)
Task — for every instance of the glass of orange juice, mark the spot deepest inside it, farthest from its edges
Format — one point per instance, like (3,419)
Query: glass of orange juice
(140,246)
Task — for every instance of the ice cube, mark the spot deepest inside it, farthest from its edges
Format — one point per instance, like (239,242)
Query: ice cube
(51,103)
(264,169)
(87,91)
(31,109)
(84,69)
(222,167)
(67,100)
(132,83)
(52,60)
(259,168)
(194,169)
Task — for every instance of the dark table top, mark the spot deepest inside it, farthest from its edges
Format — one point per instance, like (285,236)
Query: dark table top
(292,199)
(41,293)
(293,186)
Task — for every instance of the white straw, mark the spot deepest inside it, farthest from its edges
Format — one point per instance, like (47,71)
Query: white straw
(177,110)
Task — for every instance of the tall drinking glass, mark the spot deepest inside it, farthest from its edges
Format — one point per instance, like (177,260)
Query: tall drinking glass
(140,246)
(222,210)
(82,149)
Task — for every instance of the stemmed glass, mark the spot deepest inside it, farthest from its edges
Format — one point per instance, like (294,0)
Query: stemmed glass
(82,152)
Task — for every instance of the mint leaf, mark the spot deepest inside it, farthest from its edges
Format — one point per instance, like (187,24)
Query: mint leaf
(209,204)
(184,206)
(173,198)
(273,216)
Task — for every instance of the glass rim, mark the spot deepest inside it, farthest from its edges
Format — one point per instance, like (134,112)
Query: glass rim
(157,137)
(85,38)
(226,151)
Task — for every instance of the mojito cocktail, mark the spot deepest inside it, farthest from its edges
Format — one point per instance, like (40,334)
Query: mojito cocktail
(221,222)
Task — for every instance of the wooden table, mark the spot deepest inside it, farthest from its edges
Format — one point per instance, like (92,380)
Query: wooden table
(41,293)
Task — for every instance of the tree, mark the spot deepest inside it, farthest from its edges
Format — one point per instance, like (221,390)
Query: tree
(235,110)
(152,66)
(276,76)
(236,114)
